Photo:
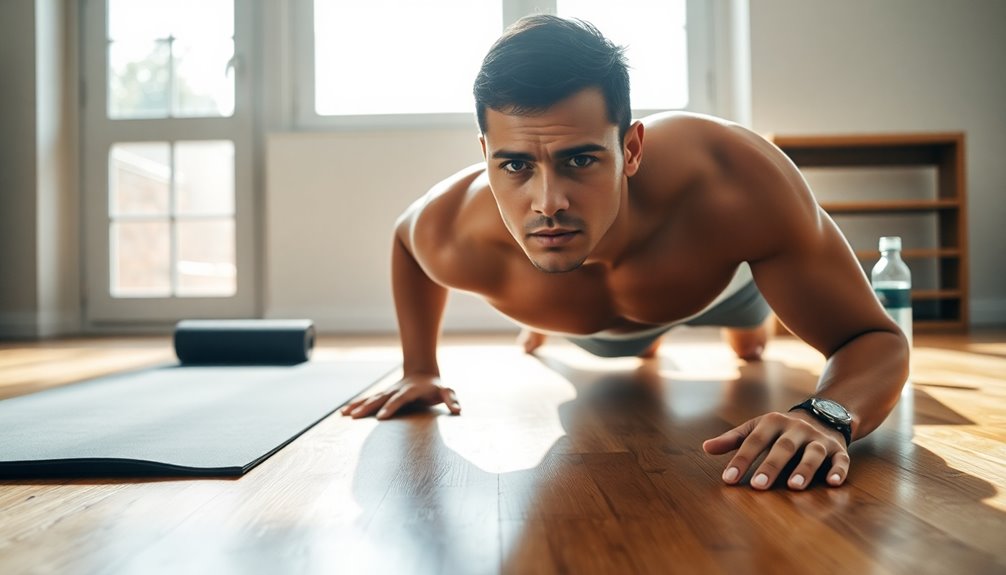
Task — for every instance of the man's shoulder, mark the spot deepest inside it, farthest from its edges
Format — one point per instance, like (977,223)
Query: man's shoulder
(679,154)
(454,206)
(443,200)
(716,175)
(454,219)
(681,123)
(705,145)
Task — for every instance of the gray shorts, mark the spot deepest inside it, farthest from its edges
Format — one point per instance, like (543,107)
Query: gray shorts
(744,309)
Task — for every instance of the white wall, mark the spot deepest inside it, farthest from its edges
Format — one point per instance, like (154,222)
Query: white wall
(18,295)
(866,66)
(331,204)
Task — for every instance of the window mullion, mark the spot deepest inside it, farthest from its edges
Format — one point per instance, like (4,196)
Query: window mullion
(173,224)
(172,104)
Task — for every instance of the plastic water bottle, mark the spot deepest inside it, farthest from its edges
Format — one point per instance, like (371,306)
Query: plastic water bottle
(892,282)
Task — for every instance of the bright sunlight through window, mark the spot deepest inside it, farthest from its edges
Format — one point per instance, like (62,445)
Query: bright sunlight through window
(654,35)
(400,56)
(405,57)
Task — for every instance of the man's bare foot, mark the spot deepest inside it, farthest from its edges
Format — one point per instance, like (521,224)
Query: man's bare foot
(749,344)
(530,340)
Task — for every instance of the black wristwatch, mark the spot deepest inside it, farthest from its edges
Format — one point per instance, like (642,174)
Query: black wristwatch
(831,413)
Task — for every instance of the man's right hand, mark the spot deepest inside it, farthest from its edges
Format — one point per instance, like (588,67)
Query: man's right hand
(412,390)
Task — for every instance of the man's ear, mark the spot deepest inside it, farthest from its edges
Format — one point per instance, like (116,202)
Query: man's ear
(632,150)
(482,140)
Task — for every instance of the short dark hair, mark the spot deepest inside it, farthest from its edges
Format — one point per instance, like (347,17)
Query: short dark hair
(543,59)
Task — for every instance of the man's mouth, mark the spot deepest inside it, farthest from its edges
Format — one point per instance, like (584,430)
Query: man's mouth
(553,237)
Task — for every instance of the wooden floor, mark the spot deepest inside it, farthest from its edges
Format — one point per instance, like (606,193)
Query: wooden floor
(561,463)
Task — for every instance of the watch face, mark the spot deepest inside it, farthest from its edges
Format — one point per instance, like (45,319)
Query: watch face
(832,410)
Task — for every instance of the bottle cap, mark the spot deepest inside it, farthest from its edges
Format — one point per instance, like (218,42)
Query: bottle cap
(890,243)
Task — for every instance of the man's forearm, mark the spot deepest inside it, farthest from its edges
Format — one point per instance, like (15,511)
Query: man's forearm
(419,306)
(866,376)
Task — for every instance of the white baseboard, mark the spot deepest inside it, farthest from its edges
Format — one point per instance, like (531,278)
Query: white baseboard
(18,325)
(988,312)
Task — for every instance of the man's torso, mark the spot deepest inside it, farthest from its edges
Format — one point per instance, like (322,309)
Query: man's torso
(695,221)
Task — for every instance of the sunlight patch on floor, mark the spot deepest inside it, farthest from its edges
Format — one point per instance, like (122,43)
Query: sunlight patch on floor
(699,362)
(510,423)
(997,348)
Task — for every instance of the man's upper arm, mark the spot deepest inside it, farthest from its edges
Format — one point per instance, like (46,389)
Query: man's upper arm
(810,276)
(441,230)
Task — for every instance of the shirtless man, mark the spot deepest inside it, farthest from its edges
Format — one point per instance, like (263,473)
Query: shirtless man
(569,228)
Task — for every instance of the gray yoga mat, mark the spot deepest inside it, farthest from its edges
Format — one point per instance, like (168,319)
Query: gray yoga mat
(175,420)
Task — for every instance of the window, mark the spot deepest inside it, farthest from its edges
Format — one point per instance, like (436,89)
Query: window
(167,127)
(398,57)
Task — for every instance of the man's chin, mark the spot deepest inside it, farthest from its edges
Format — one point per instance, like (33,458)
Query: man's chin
(551,266)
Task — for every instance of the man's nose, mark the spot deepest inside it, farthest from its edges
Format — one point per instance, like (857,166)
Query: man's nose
(548,197)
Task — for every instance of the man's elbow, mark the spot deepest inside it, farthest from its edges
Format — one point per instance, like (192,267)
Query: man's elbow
(904,352)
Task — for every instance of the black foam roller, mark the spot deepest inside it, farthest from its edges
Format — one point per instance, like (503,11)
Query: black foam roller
(244,341)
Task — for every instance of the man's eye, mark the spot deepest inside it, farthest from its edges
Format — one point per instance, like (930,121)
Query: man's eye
(515,166)
(581,161)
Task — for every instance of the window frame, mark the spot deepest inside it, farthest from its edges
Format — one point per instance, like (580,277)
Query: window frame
(702,81)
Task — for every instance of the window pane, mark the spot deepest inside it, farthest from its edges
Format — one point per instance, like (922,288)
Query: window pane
(148,20)
(204,177)
(204,84)
(139,179)
(141,259)
(202,19)
(206,258)
(400,56)
(159,19)
(138,79)
(654,34)
(170,58)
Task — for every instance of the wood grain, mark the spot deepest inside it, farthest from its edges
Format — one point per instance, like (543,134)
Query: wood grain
(560,463)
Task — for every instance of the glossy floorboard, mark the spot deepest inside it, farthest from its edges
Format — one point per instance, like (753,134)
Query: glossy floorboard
(560,463)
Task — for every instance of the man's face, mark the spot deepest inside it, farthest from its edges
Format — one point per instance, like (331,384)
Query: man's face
(557,177)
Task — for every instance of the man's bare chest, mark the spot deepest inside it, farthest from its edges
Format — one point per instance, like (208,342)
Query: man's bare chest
(591,301)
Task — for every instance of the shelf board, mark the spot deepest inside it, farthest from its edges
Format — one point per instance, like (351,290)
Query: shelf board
(926,325)
(877,150)
(889,207)
(916,254)
(867,140)
(936,294)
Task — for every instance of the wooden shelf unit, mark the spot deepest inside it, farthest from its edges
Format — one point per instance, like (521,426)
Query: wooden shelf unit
(946,307)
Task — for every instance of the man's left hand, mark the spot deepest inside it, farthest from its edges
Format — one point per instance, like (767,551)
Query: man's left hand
(782,436)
